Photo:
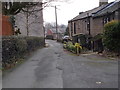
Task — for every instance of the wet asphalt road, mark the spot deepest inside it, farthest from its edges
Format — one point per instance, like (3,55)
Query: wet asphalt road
(53,67)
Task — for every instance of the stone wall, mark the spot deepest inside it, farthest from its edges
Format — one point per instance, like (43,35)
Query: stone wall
(97,26)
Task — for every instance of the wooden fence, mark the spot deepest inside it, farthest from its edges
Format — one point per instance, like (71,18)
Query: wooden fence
(6,28)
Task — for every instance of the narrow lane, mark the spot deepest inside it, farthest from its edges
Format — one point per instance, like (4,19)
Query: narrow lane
(39,71)
(53,67)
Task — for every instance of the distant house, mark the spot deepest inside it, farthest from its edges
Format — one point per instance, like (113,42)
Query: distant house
(56,35)
(88,25)
(49,32)
(31,24)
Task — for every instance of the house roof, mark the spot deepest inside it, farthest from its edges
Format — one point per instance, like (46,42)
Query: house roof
(96,11)
(88,13)
(109,9)
(49,32)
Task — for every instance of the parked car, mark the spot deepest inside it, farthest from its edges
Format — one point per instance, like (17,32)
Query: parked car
(49,37)
(65,39)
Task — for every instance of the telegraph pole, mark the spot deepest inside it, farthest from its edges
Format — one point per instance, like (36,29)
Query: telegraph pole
(56,23)
(27,27)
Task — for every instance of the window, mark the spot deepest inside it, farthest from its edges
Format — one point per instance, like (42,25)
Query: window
(106,19)
(74,28)
(71,30)
(88,25)
(113,16)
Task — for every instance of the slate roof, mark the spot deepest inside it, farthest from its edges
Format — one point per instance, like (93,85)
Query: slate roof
(109,9)
(88,13)
(98,10)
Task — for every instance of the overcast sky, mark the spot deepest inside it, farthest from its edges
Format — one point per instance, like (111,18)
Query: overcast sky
(67,11)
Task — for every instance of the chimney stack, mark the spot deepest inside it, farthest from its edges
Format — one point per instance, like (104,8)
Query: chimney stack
(103,2)
(80,13)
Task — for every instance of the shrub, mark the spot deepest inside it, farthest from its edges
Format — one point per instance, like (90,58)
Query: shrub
(14,47)
(70,47)
(21,46)
(34,42)
(64,45)
(111,36)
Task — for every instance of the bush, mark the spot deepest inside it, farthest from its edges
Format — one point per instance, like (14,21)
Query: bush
(111,36)
(34,42)
(21,46)
(70,47)
(14,47)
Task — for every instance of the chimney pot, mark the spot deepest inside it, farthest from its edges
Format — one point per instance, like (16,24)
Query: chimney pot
(80,12)
(103,2)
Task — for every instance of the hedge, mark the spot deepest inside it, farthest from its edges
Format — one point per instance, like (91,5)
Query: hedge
(111,36)
(15,47)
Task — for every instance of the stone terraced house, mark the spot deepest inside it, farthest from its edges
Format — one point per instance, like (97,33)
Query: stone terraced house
(87,27)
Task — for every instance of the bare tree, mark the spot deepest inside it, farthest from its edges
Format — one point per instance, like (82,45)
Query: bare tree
(28,8)
(11,7)
(29,17)
(32,13)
